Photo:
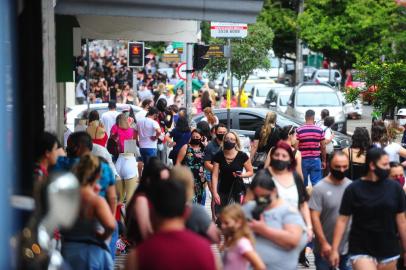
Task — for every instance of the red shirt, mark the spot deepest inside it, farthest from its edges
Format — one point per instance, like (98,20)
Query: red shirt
(175,250)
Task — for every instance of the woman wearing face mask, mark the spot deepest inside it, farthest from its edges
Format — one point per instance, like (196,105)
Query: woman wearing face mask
(377,207)
(397,174)
(227,175)
(289,136)
(191,155)
(290,185)
(279,229)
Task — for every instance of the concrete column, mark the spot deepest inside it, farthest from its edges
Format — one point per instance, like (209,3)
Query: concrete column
(61,96)
(48,53)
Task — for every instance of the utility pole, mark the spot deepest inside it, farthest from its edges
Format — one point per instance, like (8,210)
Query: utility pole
(189,71)
(229,82)
(88,75)
(299,49)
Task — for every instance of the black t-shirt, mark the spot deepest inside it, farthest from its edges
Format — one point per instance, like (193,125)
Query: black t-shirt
(273,138)
(373,207)
(226,178)
(211,150)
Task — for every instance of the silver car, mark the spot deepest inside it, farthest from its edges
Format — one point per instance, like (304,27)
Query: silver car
(317,97)
(330,76)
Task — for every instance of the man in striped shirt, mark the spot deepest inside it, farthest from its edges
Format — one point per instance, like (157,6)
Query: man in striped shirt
(312,148)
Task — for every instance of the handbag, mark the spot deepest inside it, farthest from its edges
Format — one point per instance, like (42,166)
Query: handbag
(259,159)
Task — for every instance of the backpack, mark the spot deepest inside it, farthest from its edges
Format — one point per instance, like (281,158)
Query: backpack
(113,145)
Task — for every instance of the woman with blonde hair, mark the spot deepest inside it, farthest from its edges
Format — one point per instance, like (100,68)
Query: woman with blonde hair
(238,248)
(227,177)
(84,244)
(209,117)
(265,138)
(126,164)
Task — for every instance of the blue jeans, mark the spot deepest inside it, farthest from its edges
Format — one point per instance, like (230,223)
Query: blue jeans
(311,167)
(147,153)
(322,264)
(113,241)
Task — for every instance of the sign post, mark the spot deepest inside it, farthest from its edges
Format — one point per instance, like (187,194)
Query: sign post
(229,31)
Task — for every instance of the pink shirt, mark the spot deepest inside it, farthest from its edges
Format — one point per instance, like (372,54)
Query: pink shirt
(123,135)
(233,258)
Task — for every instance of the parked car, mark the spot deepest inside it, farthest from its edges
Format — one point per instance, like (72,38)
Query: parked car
(75,113)
(330,76)
(308,72)
(351,110)
(245,121)
(278,99)
(258,91)
(317,97)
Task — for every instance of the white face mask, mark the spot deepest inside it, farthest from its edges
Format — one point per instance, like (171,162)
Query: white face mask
(402,122)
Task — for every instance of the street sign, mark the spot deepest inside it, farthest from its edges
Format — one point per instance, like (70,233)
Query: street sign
(170,57)
(215,51)
(228,30)
(181,71)
(136,54)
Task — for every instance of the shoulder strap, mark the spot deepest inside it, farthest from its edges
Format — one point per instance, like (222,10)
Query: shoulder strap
(351,164)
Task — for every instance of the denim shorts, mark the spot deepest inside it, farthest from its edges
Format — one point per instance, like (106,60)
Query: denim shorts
(376,260)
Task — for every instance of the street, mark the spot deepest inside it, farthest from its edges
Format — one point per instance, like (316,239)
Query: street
(364,121)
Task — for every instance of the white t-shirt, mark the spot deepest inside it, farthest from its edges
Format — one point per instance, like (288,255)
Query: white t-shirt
(140,115)
(328,133)
(109,120)
(288,194)
(81,85)
(146,128)
(393,150)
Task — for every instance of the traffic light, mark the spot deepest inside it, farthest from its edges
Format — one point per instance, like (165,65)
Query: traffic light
(199,61)
(135,54)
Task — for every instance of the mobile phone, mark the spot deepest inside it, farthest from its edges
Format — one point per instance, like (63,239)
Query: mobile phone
(238,172)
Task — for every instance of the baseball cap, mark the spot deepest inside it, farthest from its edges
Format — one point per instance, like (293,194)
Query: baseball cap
(401,112)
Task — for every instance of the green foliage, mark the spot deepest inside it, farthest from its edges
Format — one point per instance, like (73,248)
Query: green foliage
(390,80)
(205,28)
(346,30)
(157,47)
(281,17)
(247,54)
(351,95)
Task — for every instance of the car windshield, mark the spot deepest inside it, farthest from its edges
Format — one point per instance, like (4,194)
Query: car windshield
(311,99)
(283,100)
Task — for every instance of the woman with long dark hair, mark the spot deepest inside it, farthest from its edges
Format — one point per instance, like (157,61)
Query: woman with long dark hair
(178,137)
(377,207)
(191,155)
(138,222)
(356,153)
(96,130)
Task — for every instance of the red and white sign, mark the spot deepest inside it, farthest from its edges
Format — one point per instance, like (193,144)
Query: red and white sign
(228,30)
(181,71)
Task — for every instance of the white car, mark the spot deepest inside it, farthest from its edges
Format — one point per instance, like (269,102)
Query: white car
(317,97)
(75,113)
(351,109)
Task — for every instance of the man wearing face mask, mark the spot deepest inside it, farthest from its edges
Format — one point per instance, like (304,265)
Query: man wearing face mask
(324,205)
(377,206)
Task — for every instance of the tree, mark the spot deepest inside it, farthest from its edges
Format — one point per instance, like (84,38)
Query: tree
(247,54)
(389,78)
(348,30)
(281,17)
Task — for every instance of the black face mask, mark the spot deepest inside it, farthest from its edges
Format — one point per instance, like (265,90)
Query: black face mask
(195,141)
(337,174)
(220,136)
(280,165)
(229,145)
(381,173)
(261,204)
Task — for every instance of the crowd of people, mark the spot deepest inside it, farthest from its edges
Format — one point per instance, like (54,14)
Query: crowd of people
(347,206)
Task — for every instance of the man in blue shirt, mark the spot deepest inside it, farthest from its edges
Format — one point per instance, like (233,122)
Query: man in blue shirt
(79,144)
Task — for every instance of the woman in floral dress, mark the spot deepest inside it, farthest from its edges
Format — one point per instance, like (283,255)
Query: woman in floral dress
(191,155)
